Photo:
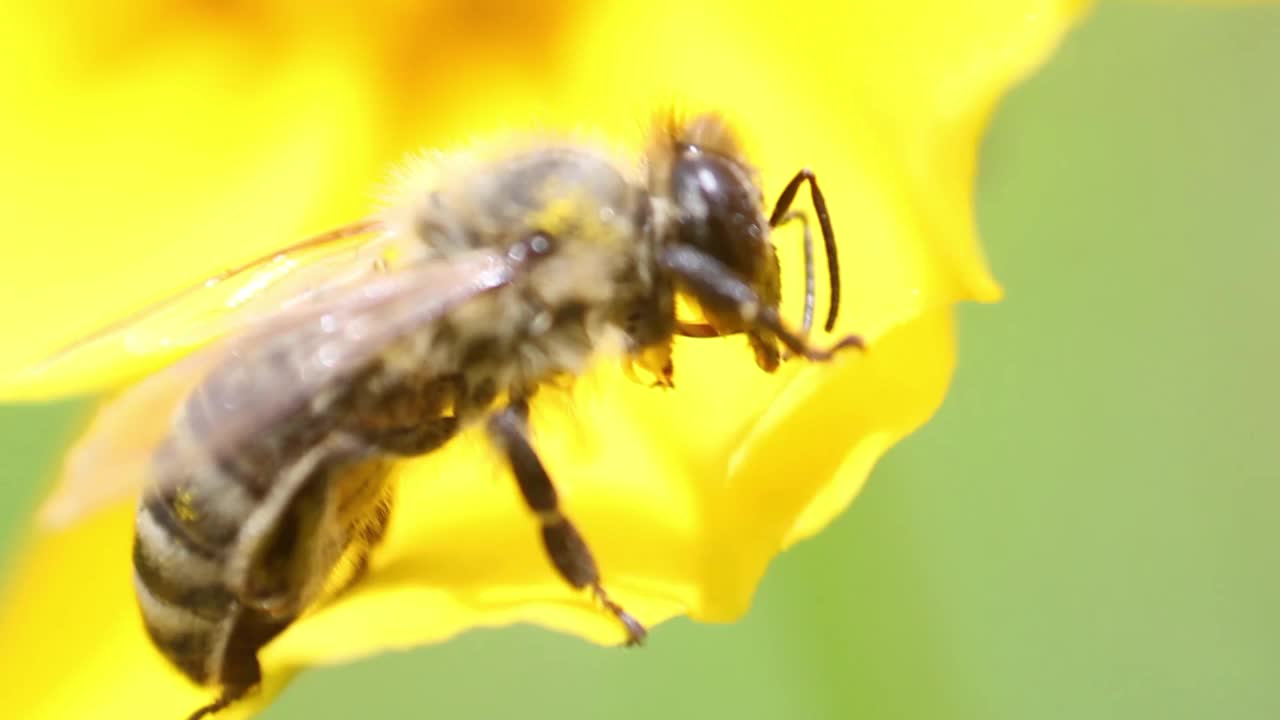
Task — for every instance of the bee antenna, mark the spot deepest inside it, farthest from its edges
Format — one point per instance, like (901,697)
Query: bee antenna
(780,209)
(810,291)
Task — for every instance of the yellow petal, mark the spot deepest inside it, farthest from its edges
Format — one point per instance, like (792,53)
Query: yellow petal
(685,496)
(124,186)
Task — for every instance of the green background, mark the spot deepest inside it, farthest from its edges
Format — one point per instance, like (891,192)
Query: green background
(1086,530)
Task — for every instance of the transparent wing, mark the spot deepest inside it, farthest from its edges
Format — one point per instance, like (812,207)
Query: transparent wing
(224,303)
(109,462)
(255,379)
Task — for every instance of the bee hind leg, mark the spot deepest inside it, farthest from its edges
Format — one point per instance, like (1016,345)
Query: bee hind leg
(229,696)
(366,535)
(564,544)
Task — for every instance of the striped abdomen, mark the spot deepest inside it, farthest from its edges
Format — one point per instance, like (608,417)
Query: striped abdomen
(227,555)
(180,565)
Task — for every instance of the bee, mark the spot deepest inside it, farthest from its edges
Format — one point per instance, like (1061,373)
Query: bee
(499,275)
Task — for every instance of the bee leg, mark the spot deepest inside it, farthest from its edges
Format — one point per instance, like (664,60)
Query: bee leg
(717,287)
(565,546)
(271,562)
(367,536)
(229,696)
(696,330)
(417,439)
(409,418)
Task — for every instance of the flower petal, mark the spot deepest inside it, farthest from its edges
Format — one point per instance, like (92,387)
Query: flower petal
(131,175)
(74,644)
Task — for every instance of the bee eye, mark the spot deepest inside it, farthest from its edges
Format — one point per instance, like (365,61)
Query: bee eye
(720,209)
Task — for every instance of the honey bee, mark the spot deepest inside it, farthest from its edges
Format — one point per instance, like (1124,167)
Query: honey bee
(383,339)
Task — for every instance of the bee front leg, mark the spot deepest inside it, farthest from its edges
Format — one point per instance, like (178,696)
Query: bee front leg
(717,287)
(565,546)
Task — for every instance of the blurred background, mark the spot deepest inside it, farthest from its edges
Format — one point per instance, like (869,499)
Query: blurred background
(1088,529)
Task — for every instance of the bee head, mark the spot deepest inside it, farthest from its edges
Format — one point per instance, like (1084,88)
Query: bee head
(719,209)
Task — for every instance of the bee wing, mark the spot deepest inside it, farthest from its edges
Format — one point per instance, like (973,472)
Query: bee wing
(236,389)
(110,460)
(222,304)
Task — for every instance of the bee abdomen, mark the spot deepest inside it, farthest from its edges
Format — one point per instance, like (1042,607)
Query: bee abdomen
(178,579)
(187,638)
(167,533)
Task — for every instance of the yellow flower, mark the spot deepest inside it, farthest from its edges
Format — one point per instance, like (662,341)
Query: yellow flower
(148,143)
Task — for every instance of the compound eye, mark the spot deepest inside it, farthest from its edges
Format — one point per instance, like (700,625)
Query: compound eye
(720,209)
(710,177)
